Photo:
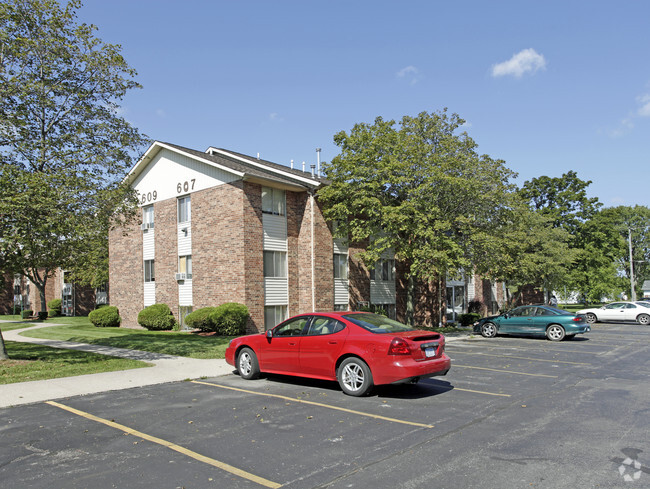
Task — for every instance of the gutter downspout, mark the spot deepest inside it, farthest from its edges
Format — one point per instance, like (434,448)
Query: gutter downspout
(313,258)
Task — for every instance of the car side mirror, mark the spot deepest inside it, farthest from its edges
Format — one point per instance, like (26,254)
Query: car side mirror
(269,334)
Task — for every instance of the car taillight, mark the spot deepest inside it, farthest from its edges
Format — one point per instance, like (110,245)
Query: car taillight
(399,347)
(577,319)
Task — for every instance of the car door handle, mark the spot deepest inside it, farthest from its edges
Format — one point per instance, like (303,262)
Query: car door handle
(333,342)
(292,344)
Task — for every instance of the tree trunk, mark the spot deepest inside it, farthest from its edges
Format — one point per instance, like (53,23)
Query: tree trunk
(3,351)
(410,301)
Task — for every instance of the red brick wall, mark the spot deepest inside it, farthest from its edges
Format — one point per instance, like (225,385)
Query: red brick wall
(253,266)
(126,274)
(358,276)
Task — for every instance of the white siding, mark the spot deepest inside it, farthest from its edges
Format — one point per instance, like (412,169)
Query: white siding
(169,169)
(149,293)
(341,292)
(340,246)
(382,292)
(276,291)
(148,250)
(275,232)
(184,239)
(185,293)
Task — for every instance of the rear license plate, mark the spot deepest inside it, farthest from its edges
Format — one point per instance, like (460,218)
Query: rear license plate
(429,352)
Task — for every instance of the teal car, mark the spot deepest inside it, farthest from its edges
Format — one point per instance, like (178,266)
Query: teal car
(556,324)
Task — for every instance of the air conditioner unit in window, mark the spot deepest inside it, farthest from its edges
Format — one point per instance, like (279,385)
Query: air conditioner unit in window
(146,225)
(180,276)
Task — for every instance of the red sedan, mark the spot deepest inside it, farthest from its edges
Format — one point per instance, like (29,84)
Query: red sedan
(358,349)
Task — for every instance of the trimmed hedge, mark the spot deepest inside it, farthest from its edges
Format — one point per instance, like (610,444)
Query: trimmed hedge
(41,315)
(469,318)
(27,313)
(55,307)
(201,319)
(230,319)
(106,317)
(157,317)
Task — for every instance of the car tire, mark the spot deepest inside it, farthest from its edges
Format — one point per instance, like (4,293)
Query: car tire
(555,332)
(591,318)
(354,377)
(643,319)
(247,364)
(489,330)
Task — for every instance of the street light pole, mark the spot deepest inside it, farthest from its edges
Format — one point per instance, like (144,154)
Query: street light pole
(632,288)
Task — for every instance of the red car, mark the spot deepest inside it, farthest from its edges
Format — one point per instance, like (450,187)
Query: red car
(358,349)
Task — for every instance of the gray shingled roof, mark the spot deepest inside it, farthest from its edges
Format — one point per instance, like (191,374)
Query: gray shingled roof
(254,169)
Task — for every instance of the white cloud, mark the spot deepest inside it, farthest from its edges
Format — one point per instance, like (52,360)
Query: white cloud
(275,117)
(644,101)
(526,61)
(410,73)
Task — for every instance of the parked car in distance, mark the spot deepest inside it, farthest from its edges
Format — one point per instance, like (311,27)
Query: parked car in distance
(618,311)
(357,349)
(556,324)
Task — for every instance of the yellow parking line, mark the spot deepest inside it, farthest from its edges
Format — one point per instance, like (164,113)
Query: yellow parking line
(544,350)
(520,358)
(505,371)
(481,392)
(312,403)
(197,456)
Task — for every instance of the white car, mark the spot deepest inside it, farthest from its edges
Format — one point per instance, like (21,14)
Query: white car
(619,311)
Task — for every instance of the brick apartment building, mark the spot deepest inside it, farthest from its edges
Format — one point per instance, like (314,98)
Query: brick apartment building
(18,293)
(218,226)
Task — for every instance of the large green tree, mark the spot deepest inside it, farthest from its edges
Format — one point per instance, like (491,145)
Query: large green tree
(420,188)
(632,224)
(64,147)
(564,204)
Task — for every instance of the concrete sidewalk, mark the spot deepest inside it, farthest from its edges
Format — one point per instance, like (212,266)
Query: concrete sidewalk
(166,368)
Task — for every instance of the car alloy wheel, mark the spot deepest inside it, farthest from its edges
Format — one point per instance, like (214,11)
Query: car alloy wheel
(643,319)
(247,364)
(489,330)
(555,333)
(590,317)
(354,377)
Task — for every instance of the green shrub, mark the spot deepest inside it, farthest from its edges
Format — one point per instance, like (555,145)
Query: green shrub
(42,315)
(469,318)
(201,319)
(106,317)
(55,307)
(157,317)
(230,319)
(27,313)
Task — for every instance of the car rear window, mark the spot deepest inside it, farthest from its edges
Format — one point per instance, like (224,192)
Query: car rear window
(376,323)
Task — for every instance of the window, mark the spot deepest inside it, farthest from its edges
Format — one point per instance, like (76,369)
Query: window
(340,266)
(320,326)
(293,327)
(273,201)
(387,310)
(275,264)
(185,266)
(274,315)
(149,275)
(147,217)
(184,209)
(384,270)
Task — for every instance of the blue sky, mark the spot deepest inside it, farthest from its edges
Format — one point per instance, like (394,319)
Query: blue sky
(546,86)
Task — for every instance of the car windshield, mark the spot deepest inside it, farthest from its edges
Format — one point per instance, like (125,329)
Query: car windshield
(376,323)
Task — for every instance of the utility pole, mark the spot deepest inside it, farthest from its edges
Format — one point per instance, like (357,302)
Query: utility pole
(632,288)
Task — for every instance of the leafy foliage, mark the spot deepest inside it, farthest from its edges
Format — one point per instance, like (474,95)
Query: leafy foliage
(63,145)
(105,317)
(200,319)
(157,317)
(420,189)
(230,319)
(54,306)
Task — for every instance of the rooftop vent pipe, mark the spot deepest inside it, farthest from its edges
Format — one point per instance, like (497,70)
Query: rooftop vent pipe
(318,161)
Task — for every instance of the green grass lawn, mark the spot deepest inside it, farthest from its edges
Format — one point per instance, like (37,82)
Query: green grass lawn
(37,362)
(182,344)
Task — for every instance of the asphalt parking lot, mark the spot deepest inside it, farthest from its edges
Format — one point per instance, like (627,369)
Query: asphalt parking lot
(513,412)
